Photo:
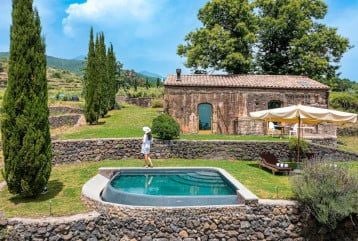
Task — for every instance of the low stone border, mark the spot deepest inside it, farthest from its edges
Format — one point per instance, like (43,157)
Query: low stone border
(65,110)
(64,120)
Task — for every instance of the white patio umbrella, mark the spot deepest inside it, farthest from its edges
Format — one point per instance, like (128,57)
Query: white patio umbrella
(304,114)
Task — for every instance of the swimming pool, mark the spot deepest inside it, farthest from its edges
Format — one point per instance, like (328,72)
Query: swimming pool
(172,187)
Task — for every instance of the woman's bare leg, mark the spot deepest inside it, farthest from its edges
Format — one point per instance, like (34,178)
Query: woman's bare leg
(149,161)
(146,160)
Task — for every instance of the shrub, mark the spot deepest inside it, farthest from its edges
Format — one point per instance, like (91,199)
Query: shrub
(344,101)
(56,75)
(303,145)
(157,103)
(328,192)
(165,127)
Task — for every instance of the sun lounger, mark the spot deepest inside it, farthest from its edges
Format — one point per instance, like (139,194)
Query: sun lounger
(269,161)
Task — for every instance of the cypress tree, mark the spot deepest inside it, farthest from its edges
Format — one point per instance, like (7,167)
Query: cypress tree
(158,82)
(112,77)
(101,60)
(146,84)
(90,84)
(25,127)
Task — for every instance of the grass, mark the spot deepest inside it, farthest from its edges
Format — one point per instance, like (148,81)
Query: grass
(128,122)
(66,182)
(348,143)
(124,123)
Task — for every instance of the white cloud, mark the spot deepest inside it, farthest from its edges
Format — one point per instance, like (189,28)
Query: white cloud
(109,12)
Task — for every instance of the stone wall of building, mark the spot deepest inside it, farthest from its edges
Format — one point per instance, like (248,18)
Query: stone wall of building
(231,106)
(100,149)
(64,120)
(269,220)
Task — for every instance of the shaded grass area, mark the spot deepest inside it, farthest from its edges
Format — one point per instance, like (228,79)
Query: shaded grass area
(348,143)
(67,180)
(123,123)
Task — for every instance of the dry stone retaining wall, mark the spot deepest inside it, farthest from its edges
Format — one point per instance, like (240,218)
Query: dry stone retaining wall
(65,110)
(100,149)
(265,221)
(64,120)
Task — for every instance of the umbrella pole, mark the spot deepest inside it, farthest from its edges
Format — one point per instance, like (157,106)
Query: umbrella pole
(298,138)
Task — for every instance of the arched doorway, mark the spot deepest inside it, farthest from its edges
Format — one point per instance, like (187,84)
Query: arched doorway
(205,116)
(273,104)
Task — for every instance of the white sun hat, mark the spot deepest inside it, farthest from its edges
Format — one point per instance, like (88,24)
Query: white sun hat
(146,129)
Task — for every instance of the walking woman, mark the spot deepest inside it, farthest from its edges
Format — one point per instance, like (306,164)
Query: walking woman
(147,141)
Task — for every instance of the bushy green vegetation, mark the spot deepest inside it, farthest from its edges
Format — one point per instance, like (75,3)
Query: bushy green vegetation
(328,191)
(165,127)
(24,126)
(346,101)
(157,93)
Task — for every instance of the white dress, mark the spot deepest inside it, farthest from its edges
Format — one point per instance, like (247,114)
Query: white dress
(146,145)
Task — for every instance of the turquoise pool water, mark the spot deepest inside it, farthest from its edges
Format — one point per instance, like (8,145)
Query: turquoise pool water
(177,183)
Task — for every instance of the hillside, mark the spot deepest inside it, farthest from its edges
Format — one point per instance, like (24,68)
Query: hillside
(72,65)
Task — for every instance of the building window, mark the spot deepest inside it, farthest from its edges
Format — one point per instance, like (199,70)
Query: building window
(274,104)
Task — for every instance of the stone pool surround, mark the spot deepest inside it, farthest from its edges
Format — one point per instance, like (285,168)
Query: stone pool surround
(69,151)
(93,188)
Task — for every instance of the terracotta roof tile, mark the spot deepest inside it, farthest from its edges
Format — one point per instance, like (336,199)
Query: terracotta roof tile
(251,81)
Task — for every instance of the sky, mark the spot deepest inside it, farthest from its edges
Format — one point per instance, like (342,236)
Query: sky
(145,33)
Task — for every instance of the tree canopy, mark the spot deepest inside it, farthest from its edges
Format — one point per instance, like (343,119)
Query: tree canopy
(265,36)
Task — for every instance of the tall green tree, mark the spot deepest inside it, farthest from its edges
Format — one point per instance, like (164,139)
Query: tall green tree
(101,66)
(25,127)
(293,39)
(112,72)
(91,90)
(158,82)
(226,39)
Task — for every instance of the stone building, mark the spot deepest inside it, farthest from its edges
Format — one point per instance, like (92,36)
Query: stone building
(221,103)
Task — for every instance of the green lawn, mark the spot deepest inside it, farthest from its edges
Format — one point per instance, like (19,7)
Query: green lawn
(67,180)
(128,122)
(124,123)
(348,143)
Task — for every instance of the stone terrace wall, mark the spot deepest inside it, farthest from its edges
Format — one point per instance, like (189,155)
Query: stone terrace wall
(266,221)
(64,110)
(64,120)
(100,149)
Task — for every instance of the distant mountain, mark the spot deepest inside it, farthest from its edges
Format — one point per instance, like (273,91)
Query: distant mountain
(81,57)
(150,74)
(72,65)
